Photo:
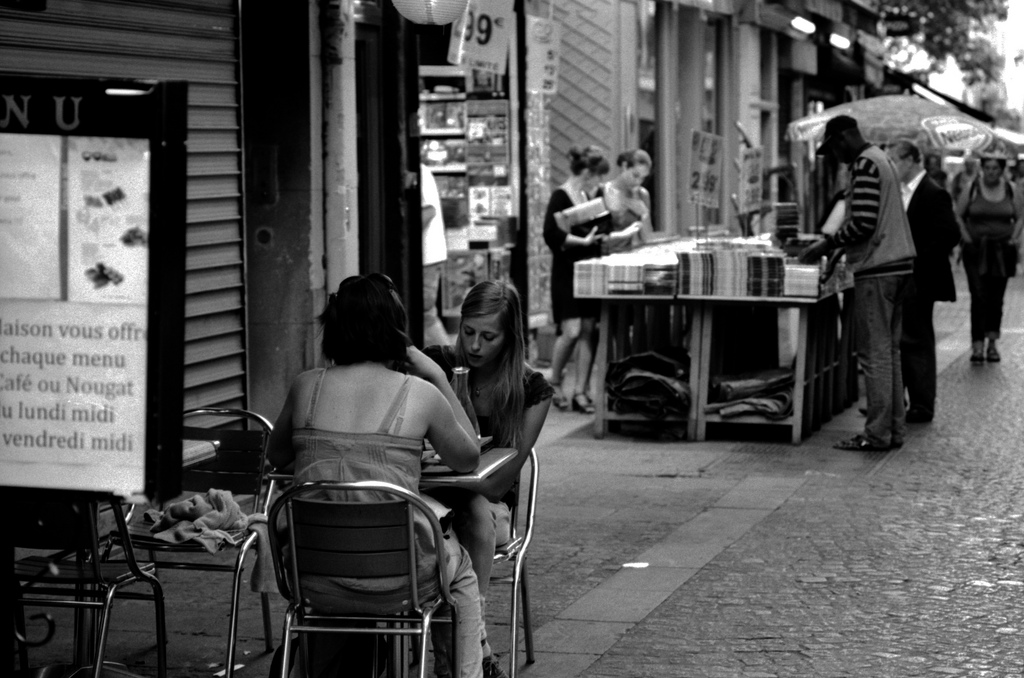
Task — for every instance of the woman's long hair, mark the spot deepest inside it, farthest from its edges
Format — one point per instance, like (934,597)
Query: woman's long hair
(508,396)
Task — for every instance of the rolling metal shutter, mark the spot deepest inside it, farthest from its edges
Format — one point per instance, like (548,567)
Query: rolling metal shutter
(196,41)
(582,111)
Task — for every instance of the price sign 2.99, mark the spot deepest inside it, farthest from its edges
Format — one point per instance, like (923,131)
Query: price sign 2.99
(480,37)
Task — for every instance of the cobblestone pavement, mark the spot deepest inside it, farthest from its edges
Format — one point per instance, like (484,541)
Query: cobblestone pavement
(910,569)
(764,559)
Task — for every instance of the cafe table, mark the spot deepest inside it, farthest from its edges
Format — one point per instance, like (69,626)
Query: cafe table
(435,474)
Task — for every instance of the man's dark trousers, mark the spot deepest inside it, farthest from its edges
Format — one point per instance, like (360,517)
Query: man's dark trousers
(933,225)
(917,352)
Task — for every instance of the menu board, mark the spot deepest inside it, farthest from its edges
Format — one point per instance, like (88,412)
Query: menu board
(74,272)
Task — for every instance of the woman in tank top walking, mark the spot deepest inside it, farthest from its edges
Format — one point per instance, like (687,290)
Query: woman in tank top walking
(991,219)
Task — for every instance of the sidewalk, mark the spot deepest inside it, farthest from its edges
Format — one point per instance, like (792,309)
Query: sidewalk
(725,559)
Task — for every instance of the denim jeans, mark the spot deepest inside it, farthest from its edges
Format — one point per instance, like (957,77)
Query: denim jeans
(878,318)
(467,597)
(987,292)
(917,350)
(434,333)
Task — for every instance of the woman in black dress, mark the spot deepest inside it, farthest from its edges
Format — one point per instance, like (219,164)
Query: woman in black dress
(576,318)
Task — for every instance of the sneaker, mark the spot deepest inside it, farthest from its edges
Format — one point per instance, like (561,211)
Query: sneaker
(492,669)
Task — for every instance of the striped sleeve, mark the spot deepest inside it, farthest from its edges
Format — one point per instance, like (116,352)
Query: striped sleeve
(865,203)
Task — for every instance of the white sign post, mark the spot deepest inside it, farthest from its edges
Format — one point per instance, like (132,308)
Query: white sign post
(543,42)
(480,38)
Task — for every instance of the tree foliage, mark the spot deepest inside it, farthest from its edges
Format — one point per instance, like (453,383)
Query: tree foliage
(957,28)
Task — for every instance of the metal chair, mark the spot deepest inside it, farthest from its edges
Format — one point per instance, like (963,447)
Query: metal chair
(356,539)
(514,551)
(74,576)
(239,466)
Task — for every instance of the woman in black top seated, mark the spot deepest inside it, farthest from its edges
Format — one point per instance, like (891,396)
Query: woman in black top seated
(511,402)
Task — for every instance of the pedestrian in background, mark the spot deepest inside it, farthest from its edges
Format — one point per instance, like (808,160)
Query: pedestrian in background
(880,252)
(576,318)
(933,167)
(991,218)
(435,254)
(935,231)
(965,177)
(628,202)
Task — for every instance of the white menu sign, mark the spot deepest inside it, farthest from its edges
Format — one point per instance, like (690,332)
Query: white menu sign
(73,312)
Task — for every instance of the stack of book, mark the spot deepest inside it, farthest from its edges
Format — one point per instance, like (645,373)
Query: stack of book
(640,272)
(801,280)
(732,273)
(787,219)
(728,268)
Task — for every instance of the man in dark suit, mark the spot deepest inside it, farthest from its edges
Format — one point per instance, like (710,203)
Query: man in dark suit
(935,231)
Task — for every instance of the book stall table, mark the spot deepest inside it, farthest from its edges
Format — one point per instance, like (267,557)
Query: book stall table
(824,372)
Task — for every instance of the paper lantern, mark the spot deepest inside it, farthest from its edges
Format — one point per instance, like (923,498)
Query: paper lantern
(437,12)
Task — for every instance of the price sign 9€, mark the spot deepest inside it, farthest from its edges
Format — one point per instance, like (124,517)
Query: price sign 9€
(480,37)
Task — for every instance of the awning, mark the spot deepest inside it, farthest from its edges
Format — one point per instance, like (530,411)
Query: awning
(923,90)
(1015,140)
(716,6)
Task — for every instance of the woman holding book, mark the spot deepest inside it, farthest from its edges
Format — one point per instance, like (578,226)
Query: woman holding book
(576,318)
(628,202)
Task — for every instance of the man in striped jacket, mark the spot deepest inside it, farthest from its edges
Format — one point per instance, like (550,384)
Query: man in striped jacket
(880,250)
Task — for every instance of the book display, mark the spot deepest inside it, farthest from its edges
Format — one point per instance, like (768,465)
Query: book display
(465,129)
(727,267)
(675,296)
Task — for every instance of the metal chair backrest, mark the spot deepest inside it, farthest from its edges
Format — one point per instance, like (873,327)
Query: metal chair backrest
(356,539)
(241,454)
(514,499)
(60,526)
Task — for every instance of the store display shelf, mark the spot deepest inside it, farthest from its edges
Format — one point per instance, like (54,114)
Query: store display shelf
(454,168)
(715,418)
(619,416)
(428,71)
(441,96)
(447,132)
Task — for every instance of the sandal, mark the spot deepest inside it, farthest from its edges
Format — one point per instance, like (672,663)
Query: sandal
(992,355)
(859,443)
(559,400)
(582,403)
(977,353)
